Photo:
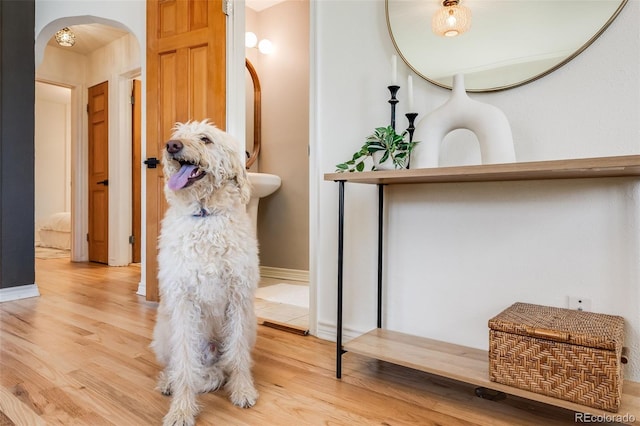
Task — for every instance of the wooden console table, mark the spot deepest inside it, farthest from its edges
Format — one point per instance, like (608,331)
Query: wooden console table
(458,362)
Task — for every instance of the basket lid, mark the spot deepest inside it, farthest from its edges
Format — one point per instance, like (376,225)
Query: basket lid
(562,325)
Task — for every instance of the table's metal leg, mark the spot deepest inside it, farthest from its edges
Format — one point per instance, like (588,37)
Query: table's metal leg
(339,350)
(380,220)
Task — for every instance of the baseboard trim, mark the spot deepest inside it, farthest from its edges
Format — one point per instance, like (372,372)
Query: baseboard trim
(284,274)
(142,289)
(20,292)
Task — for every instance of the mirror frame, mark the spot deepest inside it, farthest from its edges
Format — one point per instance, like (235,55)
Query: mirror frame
(257,114)
(513,85)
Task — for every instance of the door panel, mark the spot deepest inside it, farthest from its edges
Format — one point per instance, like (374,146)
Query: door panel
(98,110)
(186,50)
(197,74)
(136,173)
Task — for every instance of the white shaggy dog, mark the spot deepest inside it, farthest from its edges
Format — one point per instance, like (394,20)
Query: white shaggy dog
(208,272)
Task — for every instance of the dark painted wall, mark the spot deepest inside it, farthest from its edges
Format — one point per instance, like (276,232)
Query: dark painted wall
(17,93)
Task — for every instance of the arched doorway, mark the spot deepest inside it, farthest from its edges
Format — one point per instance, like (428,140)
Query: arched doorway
(113,55)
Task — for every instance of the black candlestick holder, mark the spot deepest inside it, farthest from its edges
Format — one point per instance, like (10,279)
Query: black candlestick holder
(411,116)
(393,101)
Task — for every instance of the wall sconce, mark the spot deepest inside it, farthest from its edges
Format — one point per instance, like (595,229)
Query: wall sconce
(65,37)
(451,19)
(264,46)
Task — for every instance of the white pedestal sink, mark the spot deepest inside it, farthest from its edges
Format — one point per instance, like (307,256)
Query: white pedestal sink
(263,184)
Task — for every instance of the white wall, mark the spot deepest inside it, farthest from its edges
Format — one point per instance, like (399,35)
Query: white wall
(457,254)
(52,152)
(283,217)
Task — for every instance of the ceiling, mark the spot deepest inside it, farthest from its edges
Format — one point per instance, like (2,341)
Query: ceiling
(259,5)
(90,37)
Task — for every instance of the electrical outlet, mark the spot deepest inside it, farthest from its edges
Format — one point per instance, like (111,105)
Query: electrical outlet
(579,303)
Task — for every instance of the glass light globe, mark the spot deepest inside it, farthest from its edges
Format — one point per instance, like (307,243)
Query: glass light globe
(266,47)
(451,19)
(65,37)
(250,39)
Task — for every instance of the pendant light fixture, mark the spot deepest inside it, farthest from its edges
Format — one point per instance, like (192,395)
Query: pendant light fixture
(451,19)
(65,37)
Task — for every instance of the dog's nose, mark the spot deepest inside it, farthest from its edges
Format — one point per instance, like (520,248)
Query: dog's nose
(174,146)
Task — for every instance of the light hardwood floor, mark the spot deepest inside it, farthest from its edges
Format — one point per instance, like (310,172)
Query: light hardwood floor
(79,355)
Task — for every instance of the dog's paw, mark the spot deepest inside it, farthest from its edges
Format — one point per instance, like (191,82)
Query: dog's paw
(163,384)
(179,418)
(244,397)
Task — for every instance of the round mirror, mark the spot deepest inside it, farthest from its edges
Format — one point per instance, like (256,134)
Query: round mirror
(509,42)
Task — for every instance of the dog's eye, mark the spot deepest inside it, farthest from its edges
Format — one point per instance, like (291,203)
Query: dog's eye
(205,139)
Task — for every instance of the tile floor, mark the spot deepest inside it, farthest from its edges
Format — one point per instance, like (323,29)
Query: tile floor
(294,316)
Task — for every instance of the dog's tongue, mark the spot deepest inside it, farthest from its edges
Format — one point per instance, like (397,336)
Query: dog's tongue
(180,179)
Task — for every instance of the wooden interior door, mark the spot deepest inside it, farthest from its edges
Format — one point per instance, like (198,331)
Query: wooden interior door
(186,80)
(98,110)
(136,173)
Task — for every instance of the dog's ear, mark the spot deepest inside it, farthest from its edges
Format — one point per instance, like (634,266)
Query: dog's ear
(235,166)
(244,185)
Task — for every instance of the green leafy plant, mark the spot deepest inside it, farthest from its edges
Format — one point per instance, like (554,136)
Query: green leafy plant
(386,141)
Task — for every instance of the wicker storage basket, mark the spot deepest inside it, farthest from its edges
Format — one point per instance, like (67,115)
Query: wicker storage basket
(567,354)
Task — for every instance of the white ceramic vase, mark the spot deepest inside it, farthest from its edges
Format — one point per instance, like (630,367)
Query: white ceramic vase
(387,165)
(489,124)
